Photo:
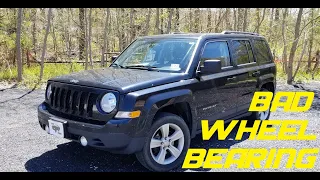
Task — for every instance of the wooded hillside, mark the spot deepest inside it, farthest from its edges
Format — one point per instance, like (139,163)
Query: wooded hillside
(32,36)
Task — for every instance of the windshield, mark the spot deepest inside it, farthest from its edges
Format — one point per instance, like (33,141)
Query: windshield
(171,55)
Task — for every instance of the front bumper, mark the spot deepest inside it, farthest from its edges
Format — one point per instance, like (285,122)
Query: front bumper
(111,137)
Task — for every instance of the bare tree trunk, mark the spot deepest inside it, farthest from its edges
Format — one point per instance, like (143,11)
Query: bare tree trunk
(258,19)
(86,39)
(219,21)
(65,34)
(105,38)
(177,23)
(310,41)
(118,22)
(284,54)
(277,14)
(301,56)
(239,19)
(234,19)
(294,46)
(245,19)
(215,18)
(68,37)
(161,21)
(18,44)
(28,58)
(197,20)
(169,20)
(190,20)
(90,36)
(146,30)
(8,67)
(55,44)
(157,28)
(270,25)
(317,58)
(228,24)
(259,22)
(120,28)
(44,48)
(131,24)
(82,36)
(209,19)
(34,31)
(122,25)
(275,28)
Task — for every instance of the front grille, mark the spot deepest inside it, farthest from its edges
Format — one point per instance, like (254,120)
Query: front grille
(77,103)
(72,102)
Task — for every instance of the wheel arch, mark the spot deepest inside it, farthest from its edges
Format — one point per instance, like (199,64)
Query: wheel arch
(267,81)
(178,102)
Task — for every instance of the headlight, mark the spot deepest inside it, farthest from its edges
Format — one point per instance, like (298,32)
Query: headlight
(108,102)
(49,92)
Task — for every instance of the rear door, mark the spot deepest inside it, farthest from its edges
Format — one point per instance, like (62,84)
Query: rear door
(264,58)
(247,72)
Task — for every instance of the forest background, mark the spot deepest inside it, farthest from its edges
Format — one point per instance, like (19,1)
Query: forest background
(39,43)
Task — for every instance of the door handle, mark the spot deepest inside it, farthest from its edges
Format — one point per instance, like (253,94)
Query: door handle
(255,74)
(231,78)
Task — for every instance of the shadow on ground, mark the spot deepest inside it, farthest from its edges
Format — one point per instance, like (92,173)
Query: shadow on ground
(72,157)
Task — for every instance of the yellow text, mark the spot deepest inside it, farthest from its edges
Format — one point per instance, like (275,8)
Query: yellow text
(247,158)
(261,130)
(261,101)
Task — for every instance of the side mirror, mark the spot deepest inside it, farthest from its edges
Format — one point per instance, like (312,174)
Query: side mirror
(113,58)
(211,66)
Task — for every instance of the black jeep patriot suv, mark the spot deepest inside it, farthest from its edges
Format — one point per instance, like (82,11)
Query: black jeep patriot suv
(150,101)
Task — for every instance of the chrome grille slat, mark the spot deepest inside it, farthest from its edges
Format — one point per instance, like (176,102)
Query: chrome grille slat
(56,97)
(85,106)
(67,101)
(62,99)
(72,101)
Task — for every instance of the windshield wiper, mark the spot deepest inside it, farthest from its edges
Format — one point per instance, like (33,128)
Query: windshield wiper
(149,68)
(117,65)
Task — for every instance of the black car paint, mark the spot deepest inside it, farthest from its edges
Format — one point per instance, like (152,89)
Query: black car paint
(209,97)
(121,80)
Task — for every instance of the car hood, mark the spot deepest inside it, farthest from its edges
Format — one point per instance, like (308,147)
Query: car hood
(122,80)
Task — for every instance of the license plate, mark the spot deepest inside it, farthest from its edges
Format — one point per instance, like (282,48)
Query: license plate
(56,128)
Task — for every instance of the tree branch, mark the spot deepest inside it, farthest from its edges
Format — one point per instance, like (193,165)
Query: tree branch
(308,24)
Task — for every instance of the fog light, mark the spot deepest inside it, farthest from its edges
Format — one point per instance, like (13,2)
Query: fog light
(83,141)
(47,129)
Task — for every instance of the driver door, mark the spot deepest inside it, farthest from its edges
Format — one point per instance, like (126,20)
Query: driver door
(216,95)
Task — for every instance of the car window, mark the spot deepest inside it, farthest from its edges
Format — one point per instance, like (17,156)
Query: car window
(240,52)
(261,51)
(216,50)
(171,55)
(249,48)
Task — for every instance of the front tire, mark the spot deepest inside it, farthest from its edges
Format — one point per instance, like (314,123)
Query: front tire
(166,144)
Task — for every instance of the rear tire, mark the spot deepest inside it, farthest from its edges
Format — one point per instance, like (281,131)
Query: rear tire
(261,115)
(166,144)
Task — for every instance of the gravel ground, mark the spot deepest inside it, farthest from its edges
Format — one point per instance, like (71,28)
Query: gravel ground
(26,147)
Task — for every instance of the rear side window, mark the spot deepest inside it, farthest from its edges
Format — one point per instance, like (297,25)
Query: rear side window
(249,48)
(216,50)
(261,51)
(240,52)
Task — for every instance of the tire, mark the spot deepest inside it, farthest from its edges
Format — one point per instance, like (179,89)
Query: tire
(148,156)
(259,115)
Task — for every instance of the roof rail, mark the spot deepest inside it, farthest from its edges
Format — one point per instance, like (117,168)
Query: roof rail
(177,33)
(239,32)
